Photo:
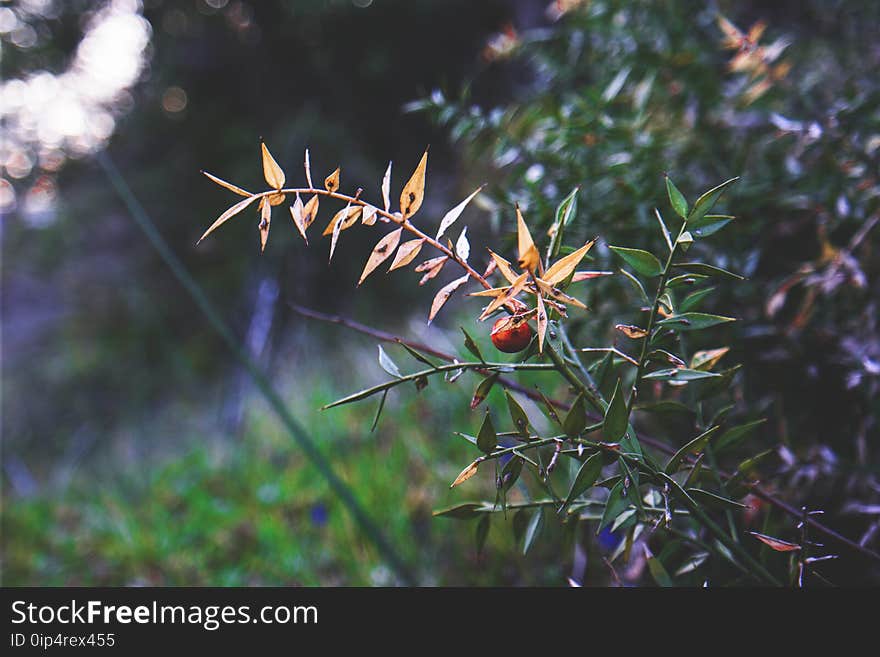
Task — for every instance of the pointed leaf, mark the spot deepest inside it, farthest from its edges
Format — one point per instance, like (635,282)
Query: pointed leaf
(676,199)
(482,532)
(642,261)
(296,211)
(512,291)
(414,191)
(693,300)
(541,321)
(460,511)
(632,332)
(533,530)
(679,374)
(706,360)
(381,252)
(586,476)
(483,389)
(310,211)
(576,419)
(615,422)
(466,474)
(663,228)
(444,294)
(694,321)
(337,228)
(563,268)
(698,444)
(406,253)
(265,221)
(387,364)
(331,182)
(386,188)
(368,218)
(735,435)
(438,264)
(471,345)
(450,217)
(504,267)
(528,253)
(227,185)
(707,270)
(271,171)
(714,500)
(776,543)
(307,165)
(707,200)
(518,415)
(462,246)
(231,212)
(487,439)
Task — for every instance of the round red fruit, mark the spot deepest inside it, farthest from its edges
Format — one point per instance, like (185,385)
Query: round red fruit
(511,334)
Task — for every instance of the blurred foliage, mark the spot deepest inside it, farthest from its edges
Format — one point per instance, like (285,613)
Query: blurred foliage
(614,94)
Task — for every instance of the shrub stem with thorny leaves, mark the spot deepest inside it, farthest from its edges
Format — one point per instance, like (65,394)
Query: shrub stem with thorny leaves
(643,495)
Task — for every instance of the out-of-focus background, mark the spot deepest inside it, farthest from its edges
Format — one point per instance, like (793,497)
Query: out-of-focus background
(135,450)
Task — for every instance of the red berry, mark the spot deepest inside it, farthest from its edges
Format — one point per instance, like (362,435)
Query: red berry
(511,334)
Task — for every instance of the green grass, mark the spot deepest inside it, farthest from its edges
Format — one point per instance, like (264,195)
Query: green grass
(252,510)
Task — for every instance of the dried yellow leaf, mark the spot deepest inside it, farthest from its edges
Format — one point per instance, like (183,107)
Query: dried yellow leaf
(706,360)
(331,182)
(452,216)
(561,269)
(271,171)
(529,258)
(381,252)
(632,332)
(541,321)
(466,474)
(348,217)
(491,292)
(307,165)
(265,220)
(406,253)
(386,188)
(228,185)
(310,211)
(499,301)
(436,266)
(368,217)
(586,275)
(337,228)
(276,199)
(414,191)
(296,211)
(231,212)
(557,294)
(504,267)
(443,295)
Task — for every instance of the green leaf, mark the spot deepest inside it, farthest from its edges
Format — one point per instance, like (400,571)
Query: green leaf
(379,411)
(551,410)
(533,529)
(461,511)
(713,500)
(483,389)
(565,212)
(710,224)
(586,476)
(679,374)
(658,572)
(693,300)
(642,261)
(708,270)
(471,346)
(685,239)
(482,532)
(387,364)
(616,504)
(694,321)
(636,282)
(663,228)
(684,279)
(664,407)
(735,435)
(676,198)
(511,472)
(487,438)
(614,424)
(698,444)
(705,203)
(576,419)
(416,354)
(518,415)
